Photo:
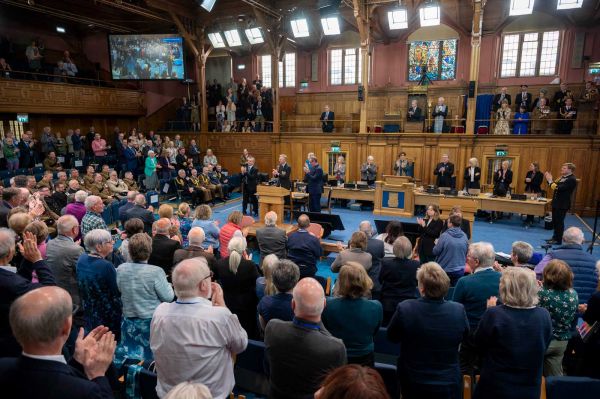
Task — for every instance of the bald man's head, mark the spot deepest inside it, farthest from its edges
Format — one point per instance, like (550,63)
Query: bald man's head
(303,221)
(42,317)
(190,278)
(162,226)
(196,236)
(309,299)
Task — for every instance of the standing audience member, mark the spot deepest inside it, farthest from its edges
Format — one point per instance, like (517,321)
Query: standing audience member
(97,282)
(313,174)
(352,316)
(451,250)
(472,292)
(132,227)
(512,339)
(429,330)
(430,229)
(560,299)
(264,283)
(271,239)
(195,338)
(163,247)
(238,275)
(143,287)
(393,230)
(139,211)
(196,238)
(278,305)
(301,352)
(521,254)
(202,219)
(376,249)
(398,278)
(356,252)
(92,219)
(583,264)
(41,322)
(16,282)
(228,230)
(304,249)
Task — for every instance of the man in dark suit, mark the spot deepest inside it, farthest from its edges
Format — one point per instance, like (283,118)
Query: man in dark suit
(444,171)
(26,150)
(561,200)
(313,175)
(11,197)
(163,248)
(304,249)
(123,209)
(41,321)
(523,99)
(498,98)
(14,283)
(559,97)
(138,210)
(196,237)
(283,172)
(376,249)
(249,183)
(567,115)
(414,112)
(271,239)
(327,118)
(131,155)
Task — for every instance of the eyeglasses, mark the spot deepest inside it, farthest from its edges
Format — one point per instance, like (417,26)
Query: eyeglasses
(211,275)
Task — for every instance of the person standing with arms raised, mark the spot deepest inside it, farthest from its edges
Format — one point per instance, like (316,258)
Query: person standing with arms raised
(561,200)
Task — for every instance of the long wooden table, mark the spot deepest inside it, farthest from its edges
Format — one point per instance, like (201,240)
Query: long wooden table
(350,193)
(486,203)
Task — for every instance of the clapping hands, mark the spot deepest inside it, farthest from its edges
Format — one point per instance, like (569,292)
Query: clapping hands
(29,248)
(95,351)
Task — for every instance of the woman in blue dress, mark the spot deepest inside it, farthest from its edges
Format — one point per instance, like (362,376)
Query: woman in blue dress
(521,121)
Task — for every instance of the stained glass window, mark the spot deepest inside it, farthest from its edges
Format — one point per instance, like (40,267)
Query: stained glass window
(438,58)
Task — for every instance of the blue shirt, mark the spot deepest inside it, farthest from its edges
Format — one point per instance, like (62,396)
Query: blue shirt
(304,249)
(278,306)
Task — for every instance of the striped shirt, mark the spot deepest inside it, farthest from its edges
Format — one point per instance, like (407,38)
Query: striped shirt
(143,287)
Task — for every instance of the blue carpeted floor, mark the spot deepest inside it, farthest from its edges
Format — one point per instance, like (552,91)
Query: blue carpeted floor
(501,233)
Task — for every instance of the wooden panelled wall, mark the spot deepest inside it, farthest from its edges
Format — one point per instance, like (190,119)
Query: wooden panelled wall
(425,149)
(59,98)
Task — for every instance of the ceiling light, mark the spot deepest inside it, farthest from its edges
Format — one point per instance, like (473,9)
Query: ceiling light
(60,29)
(521,7)
(216,39)
(300,28)
(331,25)
(208,4)
(568,4)
(254,36)
(398,18)
(233,38)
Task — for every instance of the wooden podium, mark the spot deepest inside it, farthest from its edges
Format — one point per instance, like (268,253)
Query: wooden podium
(271,198)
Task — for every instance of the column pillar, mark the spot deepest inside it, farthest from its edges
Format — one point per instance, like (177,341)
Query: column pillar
(474,67)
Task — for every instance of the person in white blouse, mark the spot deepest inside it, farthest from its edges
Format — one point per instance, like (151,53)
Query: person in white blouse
(472,175)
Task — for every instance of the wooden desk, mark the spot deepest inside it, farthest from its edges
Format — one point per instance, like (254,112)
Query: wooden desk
(350,193)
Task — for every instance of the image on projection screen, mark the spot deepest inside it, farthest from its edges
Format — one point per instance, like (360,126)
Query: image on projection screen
(146,57)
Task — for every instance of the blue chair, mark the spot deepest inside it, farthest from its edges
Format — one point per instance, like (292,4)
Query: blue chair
(385,351)
(390,378)
(572,387)
(149,196)
(6,173)
(38,170)
(6,181)
(249,369)
(23,171)
(38,177)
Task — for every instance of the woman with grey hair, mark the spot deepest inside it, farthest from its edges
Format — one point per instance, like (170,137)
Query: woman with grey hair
(512,339)
(143,287)
(97,282)
(398,277)
(264,284)
(189,390)
(237,274)
(150,166)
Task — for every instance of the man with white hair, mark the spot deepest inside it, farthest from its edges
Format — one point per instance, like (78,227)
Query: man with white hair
(127,206)
(77,207)
(196,237)
(368,171)
(163,247)
(62,254)
(473,291)
(376,249)
(41,322)
(93,215)
(583,264)
(138,210)
(301,352)
(14,283)
(194,339)
(271,239)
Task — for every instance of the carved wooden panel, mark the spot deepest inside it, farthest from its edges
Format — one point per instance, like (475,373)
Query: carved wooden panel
(68,99)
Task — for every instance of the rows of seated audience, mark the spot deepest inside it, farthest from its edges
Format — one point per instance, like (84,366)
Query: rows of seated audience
(184,294)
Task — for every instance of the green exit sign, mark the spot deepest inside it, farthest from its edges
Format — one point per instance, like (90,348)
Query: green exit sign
(335,149)
(501,153)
